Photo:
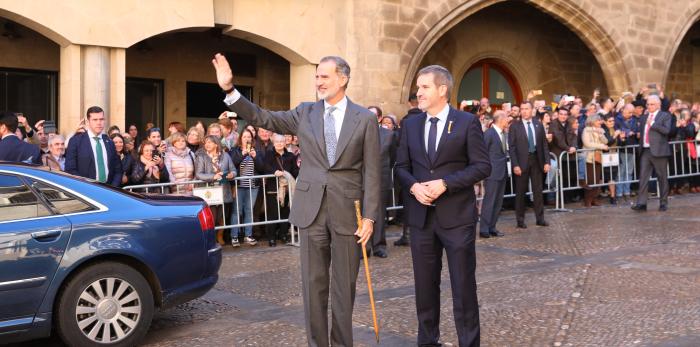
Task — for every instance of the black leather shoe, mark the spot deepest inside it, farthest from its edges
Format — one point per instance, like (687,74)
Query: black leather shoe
(381,253)
(543,223)
(521,225)
(497,233)
(484,236)
(403,241)
(663,207)
(639,208)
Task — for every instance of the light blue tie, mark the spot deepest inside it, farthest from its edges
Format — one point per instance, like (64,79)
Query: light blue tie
(329,133)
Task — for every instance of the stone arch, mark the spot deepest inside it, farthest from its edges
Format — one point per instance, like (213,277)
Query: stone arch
(444,18)
(684,23)
(285,52)
(34,25)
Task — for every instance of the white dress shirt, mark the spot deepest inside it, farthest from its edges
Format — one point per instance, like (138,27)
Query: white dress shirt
(93,143)
(338,114)
(499,131)
(530,123)
(442,120)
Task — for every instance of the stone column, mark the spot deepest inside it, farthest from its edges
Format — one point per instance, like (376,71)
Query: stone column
(117,88)
(302,84)
(70,96)
(96,79)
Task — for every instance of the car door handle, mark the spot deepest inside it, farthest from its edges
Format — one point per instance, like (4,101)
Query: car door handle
(44,235)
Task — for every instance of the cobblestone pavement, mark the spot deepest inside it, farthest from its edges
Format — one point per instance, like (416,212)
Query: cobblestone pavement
(605,276)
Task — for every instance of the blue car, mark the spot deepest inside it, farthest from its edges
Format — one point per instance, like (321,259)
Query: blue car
(92,262)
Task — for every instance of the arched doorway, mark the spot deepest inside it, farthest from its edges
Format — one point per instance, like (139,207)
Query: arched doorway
(489,78)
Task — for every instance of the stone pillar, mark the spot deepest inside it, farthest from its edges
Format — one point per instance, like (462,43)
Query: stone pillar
(302,84)
(70,96)
(117,88)
(96,77)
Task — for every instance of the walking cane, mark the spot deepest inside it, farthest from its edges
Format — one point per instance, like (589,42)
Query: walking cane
(358,213)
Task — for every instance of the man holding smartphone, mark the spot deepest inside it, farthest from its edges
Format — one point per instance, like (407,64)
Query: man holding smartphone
(11,147)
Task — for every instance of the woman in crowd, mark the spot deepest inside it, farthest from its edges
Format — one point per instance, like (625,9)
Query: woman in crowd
(283,165)
(55,159)
(175,127)
(291,147)
(179,161)
(113,130)
(614,138)
(125,156)
(229,128)
(253,131)
(194,139)
(215,130)
(248,163)
(695,180)
(154,137)
(680,163)
(145,169)
(594,140)
(128,143)
(214,166)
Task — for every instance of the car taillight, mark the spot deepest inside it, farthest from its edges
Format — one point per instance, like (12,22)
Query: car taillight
(206,219)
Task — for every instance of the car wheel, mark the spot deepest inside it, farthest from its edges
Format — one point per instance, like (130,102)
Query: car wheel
(106,303)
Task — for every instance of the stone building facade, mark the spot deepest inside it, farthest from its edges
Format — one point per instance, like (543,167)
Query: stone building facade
(150,59)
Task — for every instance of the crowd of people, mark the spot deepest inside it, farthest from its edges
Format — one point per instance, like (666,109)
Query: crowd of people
(578,133)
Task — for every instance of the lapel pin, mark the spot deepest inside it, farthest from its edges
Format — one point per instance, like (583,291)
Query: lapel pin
(449,128)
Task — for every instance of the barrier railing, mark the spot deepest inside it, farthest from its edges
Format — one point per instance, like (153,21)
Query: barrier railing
(251,186)
(619,168)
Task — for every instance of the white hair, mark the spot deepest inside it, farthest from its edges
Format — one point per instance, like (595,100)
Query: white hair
(55,137)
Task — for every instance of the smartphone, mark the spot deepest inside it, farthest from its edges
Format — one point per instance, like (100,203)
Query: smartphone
(49,127)
(470,102)
(652,86)
(537,92)
(557,98)
(230,114)
(570,98)
(506,105)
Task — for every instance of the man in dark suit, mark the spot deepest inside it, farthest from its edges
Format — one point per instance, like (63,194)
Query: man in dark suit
(400,194)
(387,150)
(654,129)
(11,147)
(496,140)
(529,157)
(340,157)
(91,154)
(441,156)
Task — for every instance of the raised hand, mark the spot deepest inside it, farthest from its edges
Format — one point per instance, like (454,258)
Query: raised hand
(224,75)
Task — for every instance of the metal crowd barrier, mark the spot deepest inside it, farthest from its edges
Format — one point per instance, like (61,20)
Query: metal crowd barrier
(622,169)
(560,180)
(187,187)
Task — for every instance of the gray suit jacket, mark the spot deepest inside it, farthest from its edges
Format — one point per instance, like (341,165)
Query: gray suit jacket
(499,166)
(356,174)
(658,134)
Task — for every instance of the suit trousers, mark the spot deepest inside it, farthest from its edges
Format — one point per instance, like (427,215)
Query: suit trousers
(427,245)
(647,162)
(491,206)
(534,175)
(379,234)
(323,248)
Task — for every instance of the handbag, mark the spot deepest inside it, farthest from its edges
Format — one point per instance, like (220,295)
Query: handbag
(692,148)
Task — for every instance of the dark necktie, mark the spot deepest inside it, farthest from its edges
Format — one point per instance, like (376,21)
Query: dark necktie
(503,142)
(101,174)
(432,138)
(530,138)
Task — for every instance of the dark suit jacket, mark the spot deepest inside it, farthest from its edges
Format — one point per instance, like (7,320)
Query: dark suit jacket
(498,158)
(16,150)
(80,159)
(355,175)
(387,155)
(559,142)
(658,133)
(461,160)
(518,145)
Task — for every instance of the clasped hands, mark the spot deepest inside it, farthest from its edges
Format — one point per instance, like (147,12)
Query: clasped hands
(427,192)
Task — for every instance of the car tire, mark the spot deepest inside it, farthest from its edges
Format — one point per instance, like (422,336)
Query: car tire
(105,303)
